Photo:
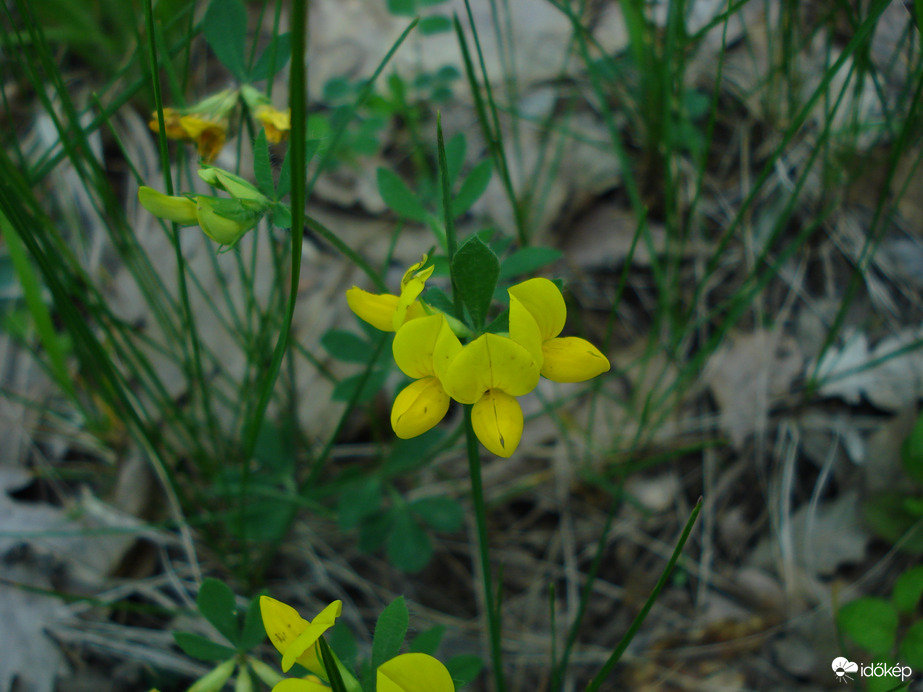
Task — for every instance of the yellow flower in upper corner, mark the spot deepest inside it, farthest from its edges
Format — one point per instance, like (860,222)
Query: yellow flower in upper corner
(386,311)
(209,134)
(423,349)
(413,673)
(490,372)
(276,123)
(537,316)
(293,636)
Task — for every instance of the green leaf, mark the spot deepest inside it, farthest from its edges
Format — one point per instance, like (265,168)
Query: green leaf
(455,156)
(907,590)
(499,324)
(201,648)
(225,30)
(475,269)
(345,388)
(253,632)
(347,346)
(439,299)
(407,455)
(912,452)
(216,602)
(910,652)
(281,215)
(409,548)
(403,8)
(390,631)
(869,622)
(464,669)
(283,48)
(435,24)
(527,260)
(889,518)
(262,168)
(879,682)
(358,502)
(374,530)
(428,641)
(441,513)
(473,187)
(398,196)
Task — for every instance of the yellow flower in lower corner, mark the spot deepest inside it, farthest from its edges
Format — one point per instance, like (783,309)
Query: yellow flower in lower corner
(537,316)
(293,636)
(423,349)
(386,311)
(413,673)
(490,372)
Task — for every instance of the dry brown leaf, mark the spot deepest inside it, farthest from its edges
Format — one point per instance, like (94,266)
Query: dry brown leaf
(746,374)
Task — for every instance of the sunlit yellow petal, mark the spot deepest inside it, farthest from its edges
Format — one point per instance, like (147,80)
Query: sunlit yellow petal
(419,406)
(282,623)
(490,362)
(524,330)
(414,271)
(376,309)
(414,344)
(182,210)
(447,347)
(309,684)
(276,123)
(408,298)
(497,421)
(413,673)
(543,299)
(303,649)
(572,359)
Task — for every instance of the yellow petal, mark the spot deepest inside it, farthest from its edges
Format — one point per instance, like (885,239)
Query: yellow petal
(418,341)
(182,210)
(410,291)
(497,421)
(413,673)
(303,649)
(376,309)
(276,123)
(171,122)
(490,362)
(572,359)
(412,272)
(308,684)
(282,623)
(419,406)
(546,304)
(524,330)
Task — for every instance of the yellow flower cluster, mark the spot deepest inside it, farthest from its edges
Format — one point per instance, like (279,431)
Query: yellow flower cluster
(490,371)
(297,640)
(206,123)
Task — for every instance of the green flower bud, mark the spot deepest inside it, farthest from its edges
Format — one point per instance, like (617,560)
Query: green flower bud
(234,185)
(182,210)
(226,220)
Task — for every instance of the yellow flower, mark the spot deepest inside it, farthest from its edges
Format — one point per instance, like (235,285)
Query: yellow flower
(423,349)
(537,316)
(490,372)
(276,123)
(208,134)
(293,636)
(386,311)
(413,673)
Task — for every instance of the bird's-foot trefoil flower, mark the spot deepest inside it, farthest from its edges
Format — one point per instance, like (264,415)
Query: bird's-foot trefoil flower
(276,123)
(537,316)
(386,311)
(490,373)
(423,349)
(293,636)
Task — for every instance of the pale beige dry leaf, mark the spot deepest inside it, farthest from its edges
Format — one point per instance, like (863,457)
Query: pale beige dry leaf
(746,374)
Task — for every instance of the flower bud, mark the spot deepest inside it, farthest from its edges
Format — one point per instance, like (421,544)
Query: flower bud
(226,220)
(182,210)
(234,185)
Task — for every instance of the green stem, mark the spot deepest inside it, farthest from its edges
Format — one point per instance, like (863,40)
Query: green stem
(480,514)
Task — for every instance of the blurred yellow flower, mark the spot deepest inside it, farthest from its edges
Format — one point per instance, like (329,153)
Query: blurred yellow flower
(276,123)
(209,135)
